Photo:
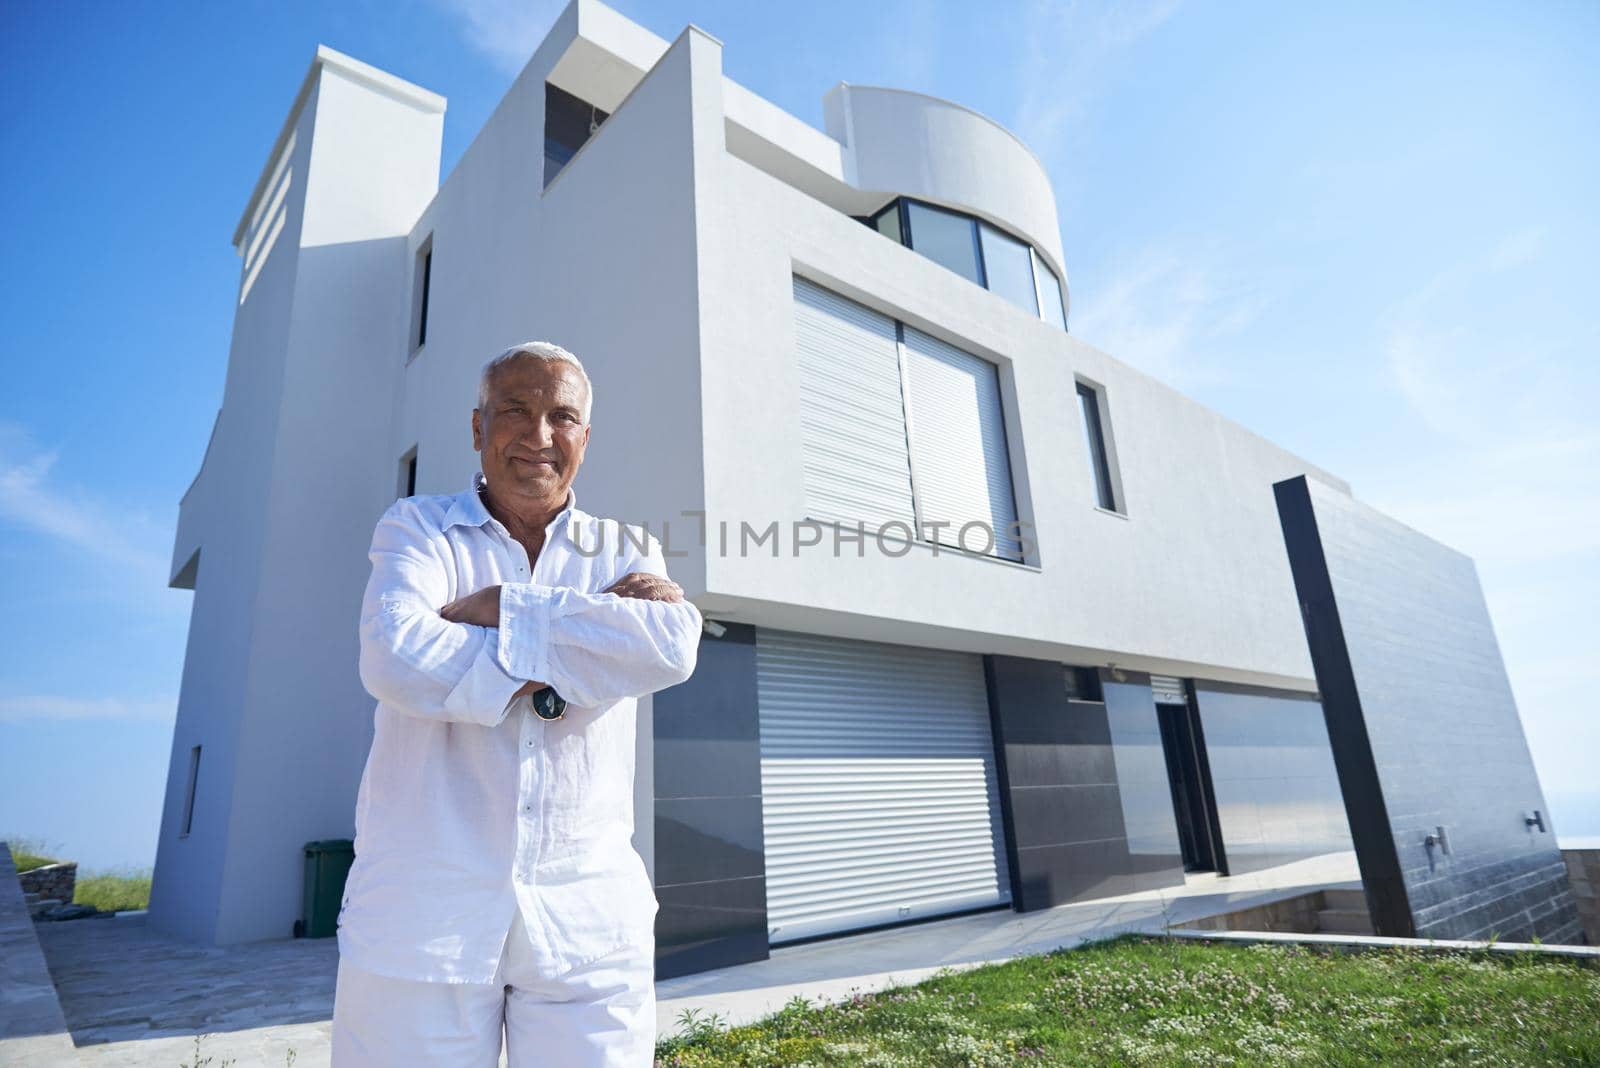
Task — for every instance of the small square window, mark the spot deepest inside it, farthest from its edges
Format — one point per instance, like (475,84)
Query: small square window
(1083,684)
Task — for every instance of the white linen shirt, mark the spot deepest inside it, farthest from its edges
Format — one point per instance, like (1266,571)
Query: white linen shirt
(471,807)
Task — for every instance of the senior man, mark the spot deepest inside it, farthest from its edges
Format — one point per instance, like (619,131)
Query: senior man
(506,635)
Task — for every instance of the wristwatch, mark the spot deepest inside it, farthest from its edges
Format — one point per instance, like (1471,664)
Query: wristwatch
(548,705)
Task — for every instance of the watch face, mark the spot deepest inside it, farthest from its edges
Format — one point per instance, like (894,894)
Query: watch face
(547,704)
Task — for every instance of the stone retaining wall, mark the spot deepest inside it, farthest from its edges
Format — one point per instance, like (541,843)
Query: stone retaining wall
(53,881)
(1583,872)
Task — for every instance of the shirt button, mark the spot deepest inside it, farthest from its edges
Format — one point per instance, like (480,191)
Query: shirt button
(530,743)
(527,808)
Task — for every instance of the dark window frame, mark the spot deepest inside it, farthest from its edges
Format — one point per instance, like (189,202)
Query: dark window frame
(423,265)
(189,792)
(1089,403)
(900,206)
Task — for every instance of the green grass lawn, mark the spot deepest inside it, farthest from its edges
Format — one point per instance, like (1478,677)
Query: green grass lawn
(108,891)
(1152,1001)
(113,891)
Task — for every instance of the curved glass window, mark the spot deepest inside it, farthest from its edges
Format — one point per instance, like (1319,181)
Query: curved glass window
(977,251)
(1052,307)
(1008,266)
(945,237)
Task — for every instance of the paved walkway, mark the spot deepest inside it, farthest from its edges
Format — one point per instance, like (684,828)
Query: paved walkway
(32,1028)
(132,997)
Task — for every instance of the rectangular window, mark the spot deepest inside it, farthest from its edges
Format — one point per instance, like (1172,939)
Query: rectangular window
(421,284)
(960,466)
(946,238)
(408,474)
(1083,684)
(1051,306)
(1008,264)
(852,419)
(1099,458)
(900,431)
(569,122)
(188,792)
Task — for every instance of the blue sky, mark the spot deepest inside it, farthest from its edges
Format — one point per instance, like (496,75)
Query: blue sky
(1365,231)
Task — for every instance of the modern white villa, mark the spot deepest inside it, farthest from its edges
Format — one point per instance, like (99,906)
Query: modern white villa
(997,621)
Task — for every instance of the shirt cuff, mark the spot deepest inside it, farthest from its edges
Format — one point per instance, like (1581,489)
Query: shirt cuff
(523,647)
(483,694)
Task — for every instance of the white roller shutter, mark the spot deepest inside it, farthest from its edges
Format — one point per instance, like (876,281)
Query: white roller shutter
(852,419)
(1168,690)
(878,788)
(958,444)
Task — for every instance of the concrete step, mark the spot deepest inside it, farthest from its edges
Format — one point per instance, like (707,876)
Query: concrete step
(1344,921)
(45,905)
(1345,899)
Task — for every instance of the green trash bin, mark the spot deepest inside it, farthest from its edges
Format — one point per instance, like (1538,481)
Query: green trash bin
(327,864)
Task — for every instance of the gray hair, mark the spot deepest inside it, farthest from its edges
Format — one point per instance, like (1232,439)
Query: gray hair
(536,350)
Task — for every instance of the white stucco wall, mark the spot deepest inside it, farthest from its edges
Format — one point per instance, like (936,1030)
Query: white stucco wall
(285,505)
(1194,580)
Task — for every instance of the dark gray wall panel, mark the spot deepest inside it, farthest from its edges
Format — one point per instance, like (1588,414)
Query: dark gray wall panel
(1272,773)
(710,873)
(1424,728)
(1066,804)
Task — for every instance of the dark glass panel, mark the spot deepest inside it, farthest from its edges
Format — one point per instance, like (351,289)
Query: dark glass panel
(567,125)
(946,238)
(1008,265)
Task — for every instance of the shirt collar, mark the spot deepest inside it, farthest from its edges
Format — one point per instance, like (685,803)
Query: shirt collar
(467,508)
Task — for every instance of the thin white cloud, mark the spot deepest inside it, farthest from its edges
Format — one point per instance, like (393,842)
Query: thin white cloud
(1070,54)
(53,708)
(1162,309)
(504,31)
(1507,469)
(33,499)
(1514,474)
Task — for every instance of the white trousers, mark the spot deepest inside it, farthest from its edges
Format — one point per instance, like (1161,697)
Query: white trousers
(599,1015)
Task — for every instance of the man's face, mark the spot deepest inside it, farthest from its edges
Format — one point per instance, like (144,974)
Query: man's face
(531,434)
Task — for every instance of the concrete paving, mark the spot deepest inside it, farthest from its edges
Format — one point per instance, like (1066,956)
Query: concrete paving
(33,1031)
(133,997)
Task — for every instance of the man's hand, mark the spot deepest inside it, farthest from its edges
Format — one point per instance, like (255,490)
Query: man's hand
(646,587)
(481,609)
